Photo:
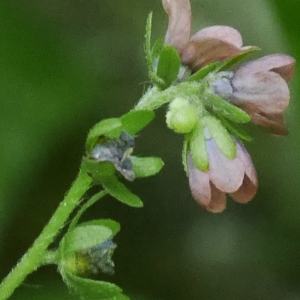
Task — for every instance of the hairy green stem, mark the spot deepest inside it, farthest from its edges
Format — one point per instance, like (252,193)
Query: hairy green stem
(34,257)
(155,98)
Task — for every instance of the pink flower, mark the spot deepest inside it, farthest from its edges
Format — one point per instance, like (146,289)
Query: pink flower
(207,45)
(236,177)
(260,88)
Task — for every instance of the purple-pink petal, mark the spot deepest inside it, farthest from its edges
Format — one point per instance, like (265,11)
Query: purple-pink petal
(246,191)
(204,192)
(199,183)
(224,33)
(273,122)
(248,188)
(218,200)
(178,33)
(282,64)
(226,174)
(203,51)
(260,92)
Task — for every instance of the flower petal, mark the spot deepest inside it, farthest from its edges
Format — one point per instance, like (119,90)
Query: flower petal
(282,64)
(203,191)
(203,51)
(246,191)
(224,33)
(263,92)
(199,183)
(249,186)
(218,200)
(226,174)
(244,157)
(274,123)
(178,33)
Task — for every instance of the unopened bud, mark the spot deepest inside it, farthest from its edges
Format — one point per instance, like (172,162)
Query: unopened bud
(182,116)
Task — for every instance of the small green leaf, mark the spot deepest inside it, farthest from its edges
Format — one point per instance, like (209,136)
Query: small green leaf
(85,237)
(225,109)
(203,72)
(90,289)
(136,120)
(198,148)
(109,127)
(146,166)
(168,65)
(228,63)
(234,129)
(221,136)
(119,191)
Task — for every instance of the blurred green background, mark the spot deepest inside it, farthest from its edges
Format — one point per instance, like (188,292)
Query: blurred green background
(67,64)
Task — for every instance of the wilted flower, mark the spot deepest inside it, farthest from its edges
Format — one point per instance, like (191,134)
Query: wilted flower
(236,177)
(207,45)
(117,151)
(92,261)
(260,88)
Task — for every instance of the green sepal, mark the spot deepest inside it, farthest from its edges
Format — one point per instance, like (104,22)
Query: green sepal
(203,72)
(148,49)
(92,289)
(146,166)
(99,171)
(221,136)
(83,237)
(186,143)
(110,128)
(136,120)
(235,130)
(150,54)
(108,223)
(198,148)
(168,65)
(119,191)
(223,108)
(228,63)
(156,49)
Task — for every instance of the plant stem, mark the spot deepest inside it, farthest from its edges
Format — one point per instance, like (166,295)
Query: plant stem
(34,257)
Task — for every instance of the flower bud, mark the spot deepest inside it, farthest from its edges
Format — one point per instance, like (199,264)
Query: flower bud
(182,117)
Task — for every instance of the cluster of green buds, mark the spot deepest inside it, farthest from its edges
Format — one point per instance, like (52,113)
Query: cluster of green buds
(210,96)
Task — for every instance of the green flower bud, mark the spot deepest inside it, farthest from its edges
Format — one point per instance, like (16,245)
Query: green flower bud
(182,117)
